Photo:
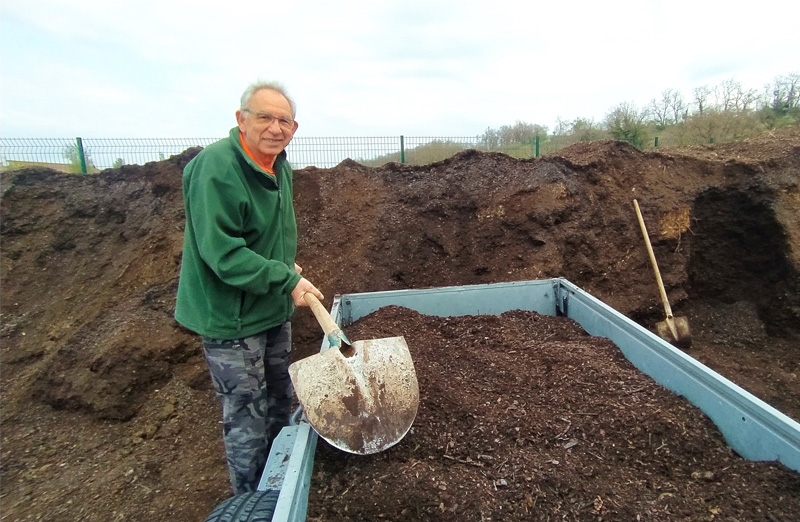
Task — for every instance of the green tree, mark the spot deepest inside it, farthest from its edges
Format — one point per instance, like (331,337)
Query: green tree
(626,123)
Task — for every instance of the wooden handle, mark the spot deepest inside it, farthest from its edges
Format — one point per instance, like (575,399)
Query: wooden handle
(661,290)
(323,317)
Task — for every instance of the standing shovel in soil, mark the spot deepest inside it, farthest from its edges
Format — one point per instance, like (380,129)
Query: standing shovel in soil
(361,397)
(674,330)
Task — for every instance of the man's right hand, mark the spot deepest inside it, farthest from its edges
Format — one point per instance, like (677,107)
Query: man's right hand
(303,287)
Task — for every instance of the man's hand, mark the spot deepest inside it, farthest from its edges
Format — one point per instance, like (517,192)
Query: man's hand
(303,287)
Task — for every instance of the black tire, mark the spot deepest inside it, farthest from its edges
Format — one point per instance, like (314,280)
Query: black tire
(257,506)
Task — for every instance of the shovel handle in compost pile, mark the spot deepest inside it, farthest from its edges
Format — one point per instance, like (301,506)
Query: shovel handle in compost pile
(673,329)
(667,307)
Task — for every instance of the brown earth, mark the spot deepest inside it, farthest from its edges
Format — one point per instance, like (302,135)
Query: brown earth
(107,411)
(530,418)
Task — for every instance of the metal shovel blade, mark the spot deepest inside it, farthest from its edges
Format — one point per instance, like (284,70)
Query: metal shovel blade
(363,403)
(675,330)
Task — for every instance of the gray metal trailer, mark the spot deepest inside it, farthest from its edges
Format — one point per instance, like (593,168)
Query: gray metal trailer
(751,427)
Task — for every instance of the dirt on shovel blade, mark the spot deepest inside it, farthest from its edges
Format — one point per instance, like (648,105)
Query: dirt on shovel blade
(363,403)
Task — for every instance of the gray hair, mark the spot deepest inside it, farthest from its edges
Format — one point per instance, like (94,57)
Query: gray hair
(261,85)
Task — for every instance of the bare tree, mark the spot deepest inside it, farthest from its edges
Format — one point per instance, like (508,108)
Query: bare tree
(491,138)
(677,106)
(724,94)
(701,95)
(659,111)
(731,97)
(520,132)
(746,100)
(563,128)
(766,96)
(587,130)
(581,128)
(792,94)
(669,110)
(786,93)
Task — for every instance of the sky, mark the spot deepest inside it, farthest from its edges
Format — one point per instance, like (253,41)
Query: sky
(177,69)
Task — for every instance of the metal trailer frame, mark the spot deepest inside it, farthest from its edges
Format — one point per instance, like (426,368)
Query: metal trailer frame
(752,428)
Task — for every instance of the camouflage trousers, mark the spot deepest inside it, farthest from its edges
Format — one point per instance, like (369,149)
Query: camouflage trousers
(251,378)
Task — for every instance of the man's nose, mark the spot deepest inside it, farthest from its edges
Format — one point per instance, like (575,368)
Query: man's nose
(274,126)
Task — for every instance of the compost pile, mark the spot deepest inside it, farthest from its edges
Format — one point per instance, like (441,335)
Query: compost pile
(108,413)
(529,418)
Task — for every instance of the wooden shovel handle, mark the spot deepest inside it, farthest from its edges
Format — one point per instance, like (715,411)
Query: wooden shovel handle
(323,317)
(663,292)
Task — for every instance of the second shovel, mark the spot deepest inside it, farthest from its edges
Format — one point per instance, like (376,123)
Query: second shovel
(674,330)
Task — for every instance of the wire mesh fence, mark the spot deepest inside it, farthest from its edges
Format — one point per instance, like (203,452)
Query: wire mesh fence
(95,154)
(92,155)
(65,154)
(78,155)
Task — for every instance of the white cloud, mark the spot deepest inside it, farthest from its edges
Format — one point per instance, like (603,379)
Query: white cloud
(173,68)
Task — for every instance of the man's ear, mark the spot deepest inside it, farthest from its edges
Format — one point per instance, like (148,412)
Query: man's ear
(240,119)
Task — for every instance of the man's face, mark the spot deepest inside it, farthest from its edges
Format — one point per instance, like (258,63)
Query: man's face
(267,124)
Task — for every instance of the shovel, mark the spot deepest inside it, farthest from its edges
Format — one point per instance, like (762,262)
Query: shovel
(361,397)
(674,330)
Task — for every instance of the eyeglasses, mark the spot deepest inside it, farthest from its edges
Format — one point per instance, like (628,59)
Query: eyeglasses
(266,119)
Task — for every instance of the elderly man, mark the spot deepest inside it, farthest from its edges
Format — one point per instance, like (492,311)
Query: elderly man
(239,283)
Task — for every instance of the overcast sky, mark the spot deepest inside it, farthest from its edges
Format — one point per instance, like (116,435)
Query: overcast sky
(168,68)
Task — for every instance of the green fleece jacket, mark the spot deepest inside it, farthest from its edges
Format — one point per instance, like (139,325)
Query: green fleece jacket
(240,242)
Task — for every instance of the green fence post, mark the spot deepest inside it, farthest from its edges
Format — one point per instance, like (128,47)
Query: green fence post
(537,146)
(402,150)
(655,143)
(81,155)
(711,140)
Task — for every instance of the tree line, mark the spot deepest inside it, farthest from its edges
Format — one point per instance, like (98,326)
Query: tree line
(727,112)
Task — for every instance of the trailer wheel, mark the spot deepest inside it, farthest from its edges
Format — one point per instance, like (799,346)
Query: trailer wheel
(256,506)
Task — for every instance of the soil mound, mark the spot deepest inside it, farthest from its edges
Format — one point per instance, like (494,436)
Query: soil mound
(108,413)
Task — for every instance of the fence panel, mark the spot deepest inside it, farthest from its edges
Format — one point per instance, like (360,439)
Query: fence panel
(102,153)
(107,152)
(64,154)
(46,152)
(329,152)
